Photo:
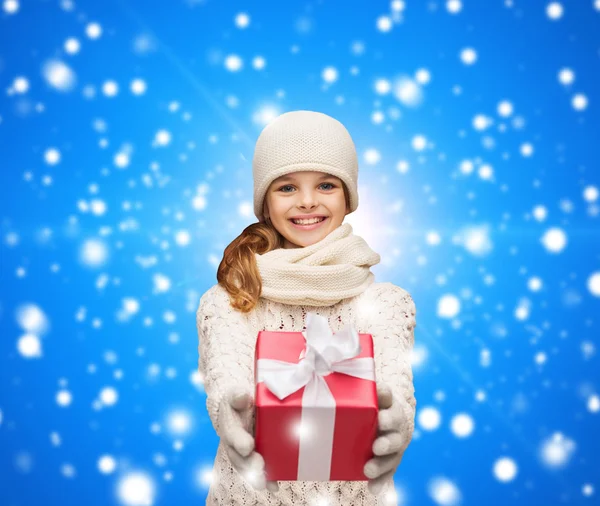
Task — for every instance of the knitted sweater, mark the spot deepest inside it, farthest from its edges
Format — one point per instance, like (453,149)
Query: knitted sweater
(226,349)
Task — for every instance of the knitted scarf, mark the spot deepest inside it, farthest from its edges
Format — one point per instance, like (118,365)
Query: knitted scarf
(322,274)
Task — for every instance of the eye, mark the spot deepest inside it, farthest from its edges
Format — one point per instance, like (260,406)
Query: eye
(282,188)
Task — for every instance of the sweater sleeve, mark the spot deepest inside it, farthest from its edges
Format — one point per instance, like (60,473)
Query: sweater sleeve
(225,349)
(392,327)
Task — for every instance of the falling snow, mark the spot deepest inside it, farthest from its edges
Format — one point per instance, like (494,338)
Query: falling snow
(59,75)
(129,139)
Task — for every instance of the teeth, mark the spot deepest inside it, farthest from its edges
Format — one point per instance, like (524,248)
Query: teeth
(308,222)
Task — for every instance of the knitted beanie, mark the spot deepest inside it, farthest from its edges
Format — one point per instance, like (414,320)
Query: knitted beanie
(303,141)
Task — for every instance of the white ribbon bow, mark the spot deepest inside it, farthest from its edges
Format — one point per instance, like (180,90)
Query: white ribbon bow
(325,353)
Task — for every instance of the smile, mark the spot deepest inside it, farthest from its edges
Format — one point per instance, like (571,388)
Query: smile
(310,226)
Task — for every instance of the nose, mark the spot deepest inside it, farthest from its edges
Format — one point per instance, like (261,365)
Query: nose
(308,200)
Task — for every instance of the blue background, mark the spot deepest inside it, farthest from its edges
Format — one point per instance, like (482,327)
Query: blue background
(201,183)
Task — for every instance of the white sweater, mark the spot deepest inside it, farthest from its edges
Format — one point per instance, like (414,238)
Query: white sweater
(226,348)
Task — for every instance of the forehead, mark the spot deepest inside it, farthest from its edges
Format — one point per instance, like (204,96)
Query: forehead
(298,176)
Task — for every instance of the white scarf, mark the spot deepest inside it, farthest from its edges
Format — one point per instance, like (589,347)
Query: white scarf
(322,274)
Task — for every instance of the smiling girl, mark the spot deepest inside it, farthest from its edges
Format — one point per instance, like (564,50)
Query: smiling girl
(300,257)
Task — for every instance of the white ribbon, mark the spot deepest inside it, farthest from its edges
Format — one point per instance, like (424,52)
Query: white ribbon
(325,353)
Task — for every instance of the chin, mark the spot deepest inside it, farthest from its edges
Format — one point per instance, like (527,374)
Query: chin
(302,242)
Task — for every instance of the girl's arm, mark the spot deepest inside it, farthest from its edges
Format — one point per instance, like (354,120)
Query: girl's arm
(392,327)
(225,352)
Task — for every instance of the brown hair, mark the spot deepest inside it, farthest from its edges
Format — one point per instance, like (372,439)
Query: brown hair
(238,272)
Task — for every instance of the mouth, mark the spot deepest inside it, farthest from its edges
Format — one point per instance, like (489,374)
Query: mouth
(310,226)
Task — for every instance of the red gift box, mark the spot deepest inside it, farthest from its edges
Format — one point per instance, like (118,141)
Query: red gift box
(323,431)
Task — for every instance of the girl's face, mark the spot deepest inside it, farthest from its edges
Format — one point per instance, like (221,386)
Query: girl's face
(303,194)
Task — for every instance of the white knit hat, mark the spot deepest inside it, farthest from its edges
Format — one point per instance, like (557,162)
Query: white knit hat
(303,140)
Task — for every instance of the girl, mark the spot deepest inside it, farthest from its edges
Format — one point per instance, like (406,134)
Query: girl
(301,257)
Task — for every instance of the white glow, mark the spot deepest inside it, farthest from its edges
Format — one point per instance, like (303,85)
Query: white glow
(384,23)
(162,138)
(566,76)
(593,284)
(454,6)
(468,56)
(93,253)
(205,476)
(481,122)
(234,63)
(448,306)
(383,86)
(462,425)
(534,284)
(329,75)
(590,193)
(505,469)
(419,142)
(554,240)
(121,160)
(408,92)
(11,6)
(110,88)
(98,207)
(556,451)
(429,418)
(138,86)
(588,489)
(72,45)
(526,149)
(593,404)
(505,109)
(423,76)
(93,30)
(136,489)
(131,305)
(265,115)
(29,346)
(579,102)
(554,10)
(242,20)
(259,62)
(21,85)
(540,213)
(107,464)
(476,240)
(59,75)
(109,396)
(444,492)
(466,167)
(372,156)
(64,398)
(182,238)
(161,283)
(179,422)
(32,319)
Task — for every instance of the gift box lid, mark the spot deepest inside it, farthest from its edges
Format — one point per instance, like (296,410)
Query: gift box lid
(349,391)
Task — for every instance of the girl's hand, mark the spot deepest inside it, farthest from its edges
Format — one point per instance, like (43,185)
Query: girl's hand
(393,439)
(234,416)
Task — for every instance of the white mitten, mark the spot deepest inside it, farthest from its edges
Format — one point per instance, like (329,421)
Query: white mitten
(235,415)
(394,436)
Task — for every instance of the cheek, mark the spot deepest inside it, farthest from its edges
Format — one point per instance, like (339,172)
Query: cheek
(277,209)
(339,206)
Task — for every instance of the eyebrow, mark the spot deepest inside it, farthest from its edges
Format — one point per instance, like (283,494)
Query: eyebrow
(290,177)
